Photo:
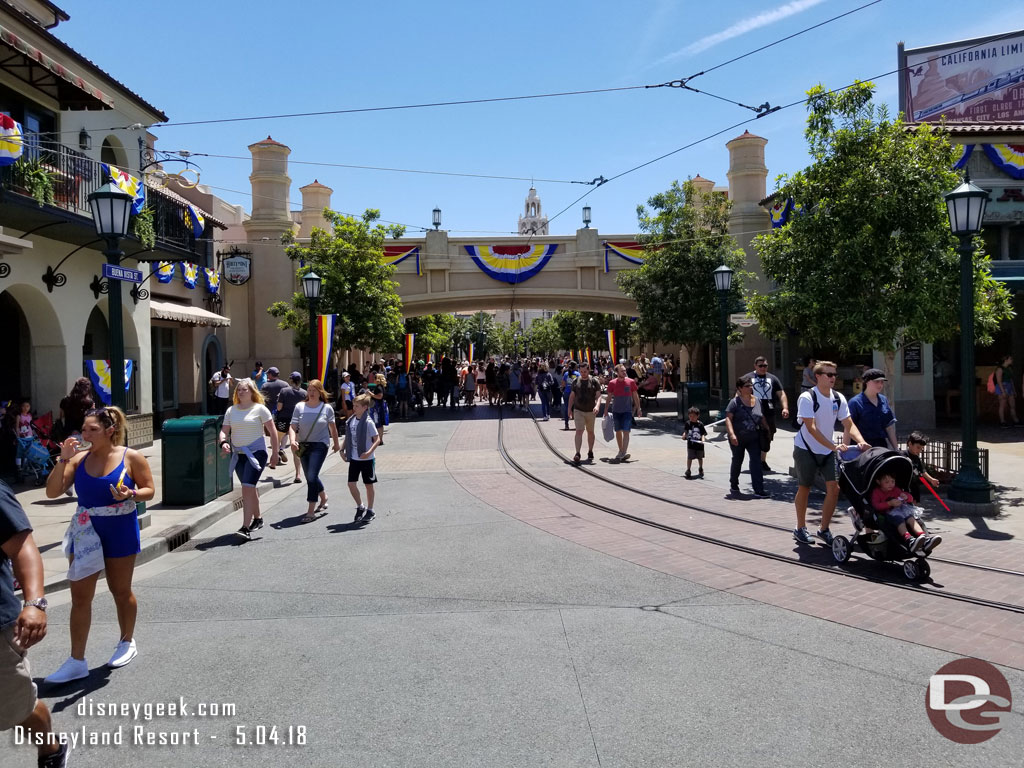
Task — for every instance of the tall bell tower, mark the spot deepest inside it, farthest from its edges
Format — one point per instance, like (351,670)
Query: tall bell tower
(532,221)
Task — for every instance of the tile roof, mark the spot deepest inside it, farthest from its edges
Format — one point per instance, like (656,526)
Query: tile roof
(979,127)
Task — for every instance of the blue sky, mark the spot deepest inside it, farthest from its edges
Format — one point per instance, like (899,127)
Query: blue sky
(224,59)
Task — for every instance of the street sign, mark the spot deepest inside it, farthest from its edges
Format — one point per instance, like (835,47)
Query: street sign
(742,320)
(114,272)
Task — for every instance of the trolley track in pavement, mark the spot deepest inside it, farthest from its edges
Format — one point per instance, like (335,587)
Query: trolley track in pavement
(916,589)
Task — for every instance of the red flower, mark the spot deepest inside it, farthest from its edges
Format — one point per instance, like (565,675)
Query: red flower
(83,517)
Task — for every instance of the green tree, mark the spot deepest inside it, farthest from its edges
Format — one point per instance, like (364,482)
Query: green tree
(868,261)
(357,286)
(685,232)
(542,337)
(433,334)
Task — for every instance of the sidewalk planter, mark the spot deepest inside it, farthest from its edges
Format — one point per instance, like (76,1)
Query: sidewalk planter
(189,461)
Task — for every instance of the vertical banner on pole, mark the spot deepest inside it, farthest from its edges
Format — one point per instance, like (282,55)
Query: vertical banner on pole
(472,347)
(613,344)
(410,345)
(325,333)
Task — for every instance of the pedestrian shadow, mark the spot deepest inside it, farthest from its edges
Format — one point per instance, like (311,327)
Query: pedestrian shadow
(982,531)
(225,540)
(76,689)
(352,525)
(295,522)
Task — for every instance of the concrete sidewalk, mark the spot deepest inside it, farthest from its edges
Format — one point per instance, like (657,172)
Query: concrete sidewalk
(165,526)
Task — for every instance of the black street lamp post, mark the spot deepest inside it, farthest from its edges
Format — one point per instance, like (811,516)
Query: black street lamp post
(311,284)
(723,284)
(111,209)
(966,208)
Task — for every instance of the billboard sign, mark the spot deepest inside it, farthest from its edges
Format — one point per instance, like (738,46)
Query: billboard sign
(977,80)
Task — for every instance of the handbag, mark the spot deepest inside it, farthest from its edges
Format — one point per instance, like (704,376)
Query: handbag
(608,427)
(303,446)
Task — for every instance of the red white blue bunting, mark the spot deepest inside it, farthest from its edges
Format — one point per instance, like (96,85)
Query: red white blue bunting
(1009,158)
(396,254)
(511,263)
(631,251)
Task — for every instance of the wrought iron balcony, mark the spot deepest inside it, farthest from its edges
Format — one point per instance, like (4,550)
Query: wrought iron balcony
(52,178)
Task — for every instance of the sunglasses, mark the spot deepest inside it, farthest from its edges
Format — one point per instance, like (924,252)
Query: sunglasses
(830,375)
(761,365)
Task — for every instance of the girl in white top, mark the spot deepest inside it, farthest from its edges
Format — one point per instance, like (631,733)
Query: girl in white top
(245,424)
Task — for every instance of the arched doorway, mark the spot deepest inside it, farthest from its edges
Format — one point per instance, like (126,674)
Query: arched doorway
(213,360)
(15,350)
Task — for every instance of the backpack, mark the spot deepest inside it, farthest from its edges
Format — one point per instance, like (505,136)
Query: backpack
(992,383)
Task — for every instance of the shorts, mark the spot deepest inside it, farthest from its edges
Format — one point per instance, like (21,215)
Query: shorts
(583,419)
(1006,388)
(365,467)
(623,421)
(246,473)
(119,534)
(694,451)
(19,697)
(808,465)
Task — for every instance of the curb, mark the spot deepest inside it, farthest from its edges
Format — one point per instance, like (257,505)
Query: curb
(169,539)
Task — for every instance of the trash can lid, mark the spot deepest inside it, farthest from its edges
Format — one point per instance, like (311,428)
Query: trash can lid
(190,425)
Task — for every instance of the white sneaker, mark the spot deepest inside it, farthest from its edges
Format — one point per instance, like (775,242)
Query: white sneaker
(123,654)
(72,669)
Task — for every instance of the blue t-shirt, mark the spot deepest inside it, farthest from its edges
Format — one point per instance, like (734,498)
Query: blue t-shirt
(13,521)
(872,419)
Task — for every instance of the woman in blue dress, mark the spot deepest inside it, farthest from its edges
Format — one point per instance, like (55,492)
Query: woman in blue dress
(109,478)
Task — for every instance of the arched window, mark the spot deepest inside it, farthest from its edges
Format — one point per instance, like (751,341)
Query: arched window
(112,152)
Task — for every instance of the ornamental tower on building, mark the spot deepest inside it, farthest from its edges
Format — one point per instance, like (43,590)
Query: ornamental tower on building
(533,222)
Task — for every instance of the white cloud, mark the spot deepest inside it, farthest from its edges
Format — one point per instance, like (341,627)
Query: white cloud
(744,26)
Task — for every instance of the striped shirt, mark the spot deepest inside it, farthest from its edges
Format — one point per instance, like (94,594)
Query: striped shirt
(246,424)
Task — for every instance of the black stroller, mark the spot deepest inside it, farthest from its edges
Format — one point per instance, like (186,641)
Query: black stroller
(883,542)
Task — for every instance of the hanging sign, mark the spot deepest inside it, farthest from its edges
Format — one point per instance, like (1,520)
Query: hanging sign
(237,268)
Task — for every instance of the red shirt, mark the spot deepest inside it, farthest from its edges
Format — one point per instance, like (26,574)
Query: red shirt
(621,387)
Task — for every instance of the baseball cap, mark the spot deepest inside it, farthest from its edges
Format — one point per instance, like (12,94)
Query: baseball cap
(871,374)
(273,369)
(296,376)
(346,374)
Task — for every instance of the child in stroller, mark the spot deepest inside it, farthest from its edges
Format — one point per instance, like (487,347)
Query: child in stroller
(897,505)
(877,534)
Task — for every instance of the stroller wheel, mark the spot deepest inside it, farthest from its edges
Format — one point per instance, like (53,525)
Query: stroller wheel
(910,570)
(841,549)
(924,568)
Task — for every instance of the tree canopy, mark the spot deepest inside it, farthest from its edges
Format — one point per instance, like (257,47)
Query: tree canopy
(685,232)
(867,261)
(357,285)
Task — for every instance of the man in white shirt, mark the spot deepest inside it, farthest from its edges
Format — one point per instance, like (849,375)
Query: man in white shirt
(814,448)
(221,383)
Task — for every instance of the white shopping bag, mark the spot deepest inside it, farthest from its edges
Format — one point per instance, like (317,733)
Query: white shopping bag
(608,427)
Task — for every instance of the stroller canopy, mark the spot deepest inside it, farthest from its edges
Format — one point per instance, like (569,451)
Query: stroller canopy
(859,475)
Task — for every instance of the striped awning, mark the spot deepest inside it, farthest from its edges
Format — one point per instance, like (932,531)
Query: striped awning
(57,78)
(185,314)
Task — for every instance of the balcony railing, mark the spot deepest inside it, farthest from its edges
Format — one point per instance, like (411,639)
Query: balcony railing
(72,177)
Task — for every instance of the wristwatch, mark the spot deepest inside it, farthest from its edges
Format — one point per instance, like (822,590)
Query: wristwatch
(40,602)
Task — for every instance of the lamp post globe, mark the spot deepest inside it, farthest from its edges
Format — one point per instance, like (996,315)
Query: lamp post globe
(111,211)
(436,218)
(723,284)
(965,206)
(311,286)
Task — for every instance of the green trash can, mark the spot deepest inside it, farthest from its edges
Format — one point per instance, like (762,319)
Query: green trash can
(695,393)
(189,460)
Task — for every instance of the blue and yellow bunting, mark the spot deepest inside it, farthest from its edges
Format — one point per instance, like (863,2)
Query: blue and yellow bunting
(99,374)
(12,142)
(193,220)
(511,263)
(212,280)
(189,273)
(127,184)
(164,271)
(408,349)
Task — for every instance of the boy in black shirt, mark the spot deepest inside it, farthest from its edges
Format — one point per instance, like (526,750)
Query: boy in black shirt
(915,445)
(694,435)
